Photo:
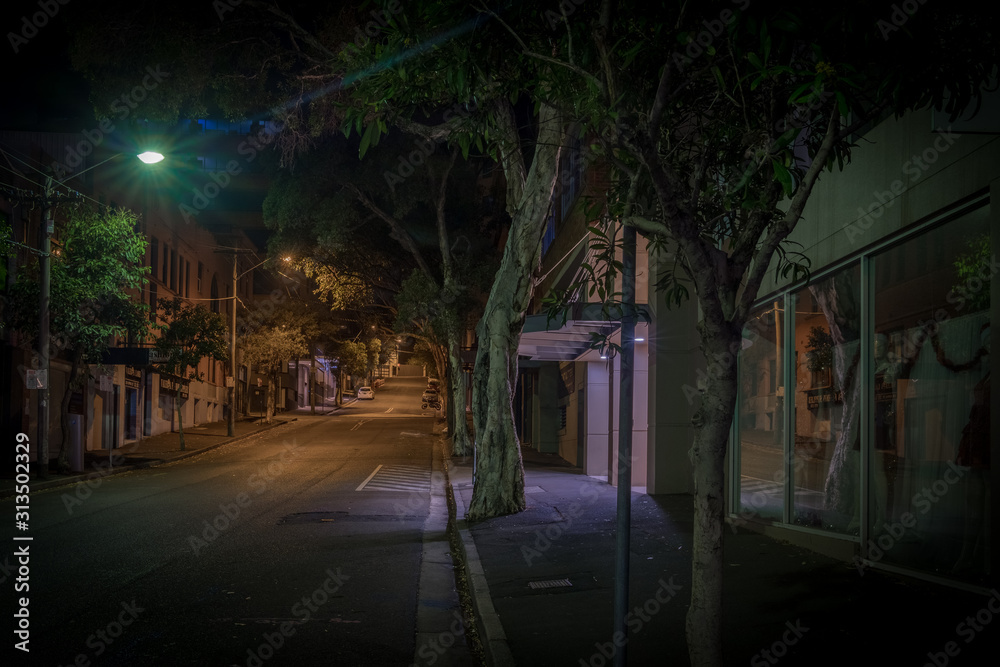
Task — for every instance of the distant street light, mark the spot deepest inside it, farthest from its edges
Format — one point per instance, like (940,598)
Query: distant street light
(231,383)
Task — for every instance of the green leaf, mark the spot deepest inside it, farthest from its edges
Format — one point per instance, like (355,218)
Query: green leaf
(799,96)
(783,175)
(366,139)
(842,104)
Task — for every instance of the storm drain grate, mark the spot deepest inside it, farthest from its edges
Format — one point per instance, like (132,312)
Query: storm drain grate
(551,583)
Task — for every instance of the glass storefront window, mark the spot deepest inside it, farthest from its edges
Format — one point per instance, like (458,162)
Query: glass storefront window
(930,455)
(826,455)
(761,415)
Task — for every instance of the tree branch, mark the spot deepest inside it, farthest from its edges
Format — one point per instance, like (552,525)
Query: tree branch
(538,56)
(398,232)
(780,231)
(446,263)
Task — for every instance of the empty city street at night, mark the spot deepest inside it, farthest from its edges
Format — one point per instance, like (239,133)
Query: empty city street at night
(283,548)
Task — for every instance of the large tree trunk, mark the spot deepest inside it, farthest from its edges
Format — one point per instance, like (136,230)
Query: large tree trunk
(712,428)
(440,355)
(499,481)
(272,396)
(461,445)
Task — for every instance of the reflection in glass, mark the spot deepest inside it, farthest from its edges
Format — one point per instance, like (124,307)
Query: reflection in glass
(761,437)
(930,463)
(826,458)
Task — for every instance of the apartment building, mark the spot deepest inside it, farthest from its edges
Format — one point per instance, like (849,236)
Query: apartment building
(200,214)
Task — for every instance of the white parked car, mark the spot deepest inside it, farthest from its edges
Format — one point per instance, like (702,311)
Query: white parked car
(366,392)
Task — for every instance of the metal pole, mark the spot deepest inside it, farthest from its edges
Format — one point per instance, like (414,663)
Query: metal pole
(44,269)
(312,380)
(231,427)
(623,533)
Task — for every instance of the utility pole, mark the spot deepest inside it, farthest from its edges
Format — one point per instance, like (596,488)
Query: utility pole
(48,201)
(45,287)
(231,381)
(312,380)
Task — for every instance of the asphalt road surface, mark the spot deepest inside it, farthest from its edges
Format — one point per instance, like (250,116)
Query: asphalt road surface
(298,546)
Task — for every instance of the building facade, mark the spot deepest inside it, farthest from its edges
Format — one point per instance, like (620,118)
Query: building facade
(199,214)
(863,421)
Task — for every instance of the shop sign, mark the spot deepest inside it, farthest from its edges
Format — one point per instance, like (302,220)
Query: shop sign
(133,377)
(170,385)
(823,397)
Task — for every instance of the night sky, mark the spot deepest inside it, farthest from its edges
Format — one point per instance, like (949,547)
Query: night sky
(40,91)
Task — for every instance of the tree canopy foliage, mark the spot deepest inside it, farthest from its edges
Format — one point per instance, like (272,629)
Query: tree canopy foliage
(189,335)
(96,270)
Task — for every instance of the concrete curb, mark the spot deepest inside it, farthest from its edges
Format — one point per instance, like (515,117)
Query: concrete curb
(491,632)
(83,477)
(441,638)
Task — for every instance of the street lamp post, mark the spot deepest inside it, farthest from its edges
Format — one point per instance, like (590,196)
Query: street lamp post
(231,382)
(231,424)
(45,292)
(43,331)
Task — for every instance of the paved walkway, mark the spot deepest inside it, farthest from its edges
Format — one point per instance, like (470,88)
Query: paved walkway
(543,584)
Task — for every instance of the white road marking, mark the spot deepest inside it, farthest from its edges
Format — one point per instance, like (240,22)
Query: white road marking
(369,478)
(399,478)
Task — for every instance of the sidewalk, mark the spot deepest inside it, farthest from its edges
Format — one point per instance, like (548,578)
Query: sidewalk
(543,585)
(151,451)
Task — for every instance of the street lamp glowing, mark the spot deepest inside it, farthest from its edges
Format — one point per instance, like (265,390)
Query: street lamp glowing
(150,157)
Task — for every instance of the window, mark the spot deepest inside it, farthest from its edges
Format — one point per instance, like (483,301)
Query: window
(571,177)
(827,416)
(930,457)
(154,256)
(201,269)
(550,231)
(166,264)
(215,295)
(173,270)
(761,417)
(904,392)
(152,302)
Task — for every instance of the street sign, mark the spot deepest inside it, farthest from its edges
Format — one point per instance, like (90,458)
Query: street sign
(36,379)
(105,383)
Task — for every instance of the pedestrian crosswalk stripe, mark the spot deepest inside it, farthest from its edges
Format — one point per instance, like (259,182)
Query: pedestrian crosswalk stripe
(397,478)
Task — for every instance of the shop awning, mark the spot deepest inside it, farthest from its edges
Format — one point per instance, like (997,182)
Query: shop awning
(542,340)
